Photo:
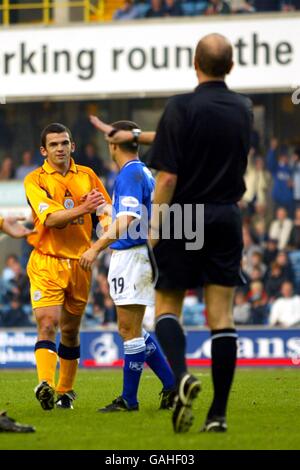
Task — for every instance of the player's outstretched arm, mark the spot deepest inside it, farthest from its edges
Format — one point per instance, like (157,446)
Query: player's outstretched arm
(118,136)
(11,226)
(114,232)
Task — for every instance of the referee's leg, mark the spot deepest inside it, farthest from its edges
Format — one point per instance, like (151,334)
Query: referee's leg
(172,339)
(168,307)
(219,305)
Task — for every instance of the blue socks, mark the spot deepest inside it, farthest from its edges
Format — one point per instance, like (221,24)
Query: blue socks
(157,362)
(136,352)
(134,358)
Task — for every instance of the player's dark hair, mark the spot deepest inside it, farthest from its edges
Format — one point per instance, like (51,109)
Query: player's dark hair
(131,147)
(214,59)
(54,128)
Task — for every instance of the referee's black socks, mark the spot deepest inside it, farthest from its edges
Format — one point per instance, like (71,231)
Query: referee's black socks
(171,337)
(223,355)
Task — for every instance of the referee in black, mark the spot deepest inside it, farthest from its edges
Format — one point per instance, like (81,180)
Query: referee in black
(200,151)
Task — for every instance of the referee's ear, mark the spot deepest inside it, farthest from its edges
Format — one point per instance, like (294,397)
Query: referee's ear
(230,68)
(196,67)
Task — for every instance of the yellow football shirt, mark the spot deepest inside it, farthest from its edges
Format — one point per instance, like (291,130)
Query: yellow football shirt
(48,191)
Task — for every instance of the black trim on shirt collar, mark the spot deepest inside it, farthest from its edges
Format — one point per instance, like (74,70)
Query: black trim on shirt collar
(212,83)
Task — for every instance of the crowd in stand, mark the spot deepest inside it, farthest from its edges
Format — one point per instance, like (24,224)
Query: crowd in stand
(270,292)
(135,9)
(271,232)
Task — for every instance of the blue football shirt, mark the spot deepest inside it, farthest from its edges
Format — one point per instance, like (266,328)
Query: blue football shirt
(132,195)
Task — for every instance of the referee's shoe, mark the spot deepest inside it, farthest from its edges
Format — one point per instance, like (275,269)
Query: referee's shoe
(188,390)
(215,424)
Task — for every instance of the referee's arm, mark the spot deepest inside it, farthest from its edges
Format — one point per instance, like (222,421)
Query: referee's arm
(164,191)
(165,156)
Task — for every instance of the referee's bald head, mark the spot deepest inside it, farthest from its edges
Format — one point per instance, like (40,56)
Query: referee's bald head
(213,55)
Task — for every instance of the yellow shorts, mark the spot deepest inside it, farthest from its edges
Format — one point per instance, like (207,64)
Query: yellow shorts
(58,281)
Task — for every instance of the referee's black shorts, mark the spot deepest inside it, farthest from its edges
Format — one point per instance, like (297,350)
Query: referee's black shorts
(217,262)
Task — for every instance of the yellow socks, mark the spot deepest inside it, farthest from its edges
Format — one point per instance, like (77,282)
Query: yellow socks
(46,360)
(67,375)
(68,359)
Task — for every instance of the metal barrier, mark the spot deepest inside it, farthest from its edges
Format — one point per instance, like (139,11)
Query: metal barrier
(91,11)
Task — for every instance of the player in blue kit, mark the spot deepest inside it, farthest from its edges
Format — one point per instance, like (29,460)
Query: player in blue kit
(130,274)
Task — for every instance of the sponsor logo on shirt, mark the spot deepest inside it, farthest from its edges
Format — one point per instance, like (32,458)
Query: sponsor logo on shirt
(129,201)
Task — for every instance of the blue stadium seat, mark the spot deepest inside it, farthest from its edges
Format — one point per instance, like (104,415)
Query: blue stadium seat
(142,9)
(188,8)
(194,8)
(200,8)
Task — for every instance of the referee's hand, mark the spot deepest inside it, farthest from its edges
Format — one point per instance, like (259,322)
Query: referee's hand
(153,236)
(152,242)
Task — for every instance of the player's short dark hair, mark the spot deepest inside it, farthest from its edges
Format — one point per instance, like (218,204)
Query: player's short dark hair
(131,147)
(54,128)
(214,61)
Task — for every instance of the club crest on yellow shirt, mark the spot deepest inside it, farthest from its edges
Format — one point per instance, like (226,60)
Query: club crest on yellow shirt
(69,203)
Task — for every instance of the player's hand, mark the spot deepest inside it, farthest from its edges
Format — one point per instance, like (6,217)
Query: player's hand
(94,191)
(12,227)
(105,209)
(92,201)
(87,259)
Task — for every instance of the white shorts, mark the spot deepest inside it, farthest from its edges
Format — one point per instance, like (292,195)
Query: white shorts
(130,277)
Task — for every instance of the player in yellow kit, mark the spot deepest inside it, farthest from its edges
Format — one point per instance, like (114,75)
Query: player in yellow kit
(62,196)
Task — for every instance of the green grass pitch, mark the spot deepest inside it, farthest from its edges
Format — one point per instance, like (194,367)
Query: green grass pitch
(264,413)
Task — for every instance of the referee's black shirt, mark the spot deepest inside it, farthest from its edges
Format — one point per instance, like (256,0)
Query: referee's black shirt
(204,138)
